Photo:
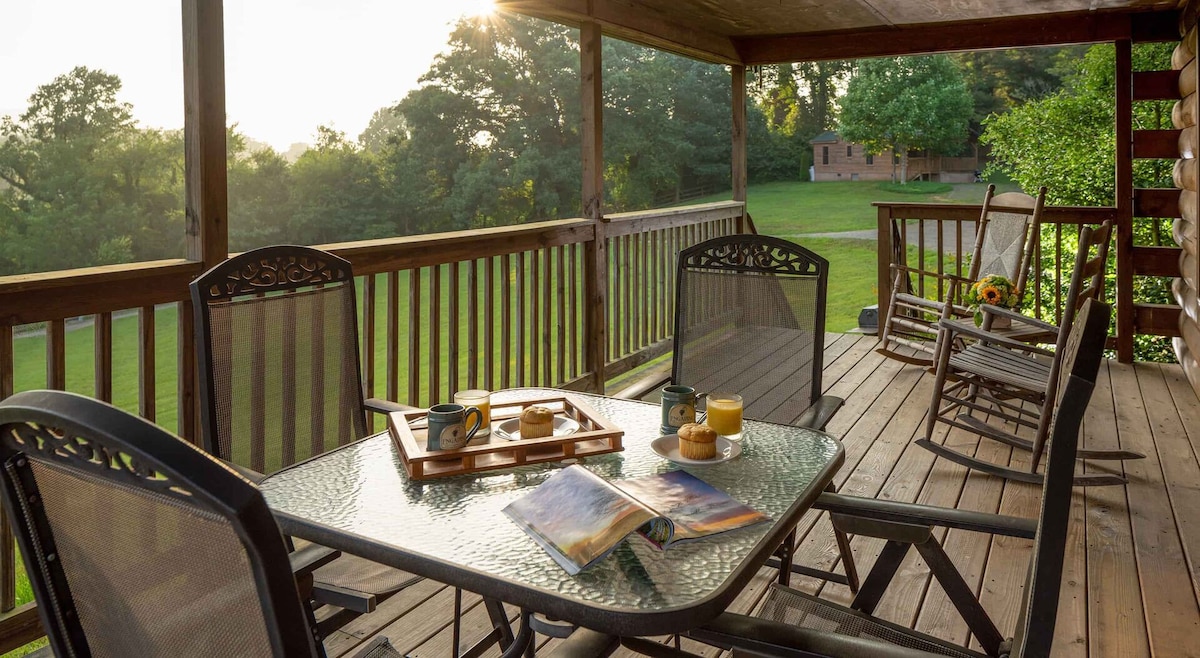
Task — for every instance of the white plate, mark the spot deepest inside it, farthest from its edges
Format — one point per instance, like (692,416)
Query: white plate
(511,428)
(668,446)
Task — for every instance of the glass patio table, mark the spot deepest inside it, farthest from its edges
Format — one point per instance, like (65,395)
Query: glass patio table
(359,499)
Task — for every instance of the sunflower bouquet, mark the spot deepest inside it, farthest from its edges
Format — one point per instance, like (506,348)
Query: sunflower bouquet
(992,289)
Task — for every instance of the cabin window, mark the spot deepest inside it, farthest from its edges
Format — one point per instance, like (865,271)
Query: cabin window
(824,155)
(870,159)
(849,151)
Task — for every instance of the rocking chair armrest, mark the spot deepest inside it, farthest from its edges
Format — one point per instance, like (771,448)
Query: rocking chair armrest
(819,414)
(764,637)
(928,515)
(311,557)
(989,309)
(381,406)
(970,330)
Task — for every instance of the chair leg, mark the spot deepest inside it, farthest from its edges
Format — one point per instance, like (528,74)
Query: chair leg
(939,383)
(961,596)
(843,543)
(881,575)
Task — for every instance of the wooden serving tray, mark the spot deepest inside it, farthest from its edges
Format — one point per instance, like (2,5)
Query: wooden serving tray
(596,436)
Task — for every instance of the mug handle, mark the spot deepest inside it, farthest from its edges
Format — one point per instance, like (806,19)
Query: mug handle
(701,415)
(478,421)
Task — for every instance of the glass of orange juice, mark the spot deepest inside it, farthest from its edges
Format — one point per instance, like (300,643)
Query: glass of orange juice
(725,415)
(481,400)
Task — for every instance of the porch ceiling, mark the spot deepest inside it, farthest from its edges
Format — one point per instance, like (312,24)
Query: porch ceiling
(771,31)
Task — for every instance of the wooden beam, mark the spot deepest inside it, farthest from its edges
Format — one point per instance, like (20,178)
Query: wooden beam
(1015,32)
(634,22)
(738,160)
(1156,202)
(1156,85)
(1156,261)
(1156,319)
(595,267)
(1156,144)
(20,627)
(1124,199)
(207,197)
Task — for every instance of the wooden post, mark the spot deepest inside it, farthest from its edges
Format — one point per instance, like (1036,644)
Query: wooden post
(738,160)
(207,201)
(595,279)
(1124,199)
(884,248)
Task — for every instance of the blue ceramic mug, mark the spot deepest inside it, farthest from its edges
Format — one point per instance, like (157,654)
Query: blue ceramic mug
(448,426)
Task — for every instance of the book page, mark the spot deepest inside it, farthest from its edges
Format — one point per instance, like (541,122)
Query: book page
(696,508)
(578,517)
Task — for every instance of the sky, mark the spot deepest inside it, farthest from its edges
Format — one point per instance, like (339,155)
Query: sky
(290,65)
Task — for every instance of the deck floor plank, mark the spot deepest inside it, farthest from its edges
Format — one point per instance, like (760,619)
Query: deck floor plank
(1131,583)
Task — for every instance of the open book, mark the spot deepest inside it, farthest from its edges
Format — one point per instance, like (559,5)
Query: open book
(579,517)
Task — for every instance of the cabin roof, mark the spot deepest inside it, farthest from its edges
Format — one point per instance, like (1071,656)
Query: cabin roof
(751,32)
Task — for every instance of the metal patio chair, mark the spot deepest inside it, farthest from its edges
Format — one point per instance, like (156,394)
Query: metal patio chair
(277,344)
(750,319)
(999,381)
(139,544)
(1005,239)
(797,624)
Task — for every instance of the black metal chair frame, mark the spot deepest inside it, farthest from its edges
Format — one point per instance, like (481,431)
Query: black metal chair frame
(290,268)
(108,433)
(767,255)
(908,525)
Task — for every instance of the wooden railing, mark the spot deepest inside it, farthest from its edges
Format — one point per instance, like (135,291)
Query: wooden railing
(930,237)
(492,308)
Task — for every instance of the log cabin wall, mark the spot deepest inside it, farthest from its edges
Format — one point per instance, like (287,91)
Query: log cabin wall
(1187,345)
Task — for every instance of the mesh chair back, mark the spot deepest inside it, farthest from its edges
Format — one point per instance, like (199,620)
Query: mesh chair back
(1007,232)
(278,344)
(1081,363)
(138,544)
(750,319)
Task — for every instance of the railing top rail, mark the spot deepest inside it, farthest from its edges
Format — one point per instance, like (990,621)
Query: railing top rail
(731,206)
(643,221)
(966,212)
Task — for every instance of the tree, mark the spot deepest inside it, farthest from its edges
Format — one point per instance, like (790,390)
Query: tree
(905,103)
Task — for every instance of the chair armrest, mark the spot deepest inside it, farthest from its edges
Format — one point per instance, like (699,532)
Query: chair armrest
(381,406)
(959,327)
(250,474)
(892,511)
(818,415)
(774,639)
(311,557)
(988,309)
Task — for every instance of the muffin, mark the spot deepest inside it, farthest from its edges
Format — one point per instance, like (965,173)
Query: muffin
(537,422)
(697,441)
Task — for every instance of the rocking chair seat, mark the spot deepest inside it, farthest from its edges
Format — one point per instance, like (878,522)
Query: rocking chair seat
(1003,366)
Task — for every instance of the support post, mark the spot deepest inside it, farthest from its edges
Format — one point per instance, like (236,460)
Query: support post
(883,267)
(1124,199)
(205,177)
(738,159)
(595,275)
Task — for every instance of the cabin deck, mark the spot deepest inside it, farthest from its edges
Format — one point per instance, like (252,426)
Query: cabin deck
(1131,577)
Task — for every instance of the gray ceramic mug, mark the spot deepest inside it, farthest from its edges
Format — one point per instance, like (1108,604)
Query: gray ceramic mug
(678,407)
(448,426)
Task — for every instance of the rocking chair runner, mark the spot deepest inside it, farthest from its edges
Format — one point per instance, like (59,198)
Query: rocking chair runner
(999,375)
(1005,238)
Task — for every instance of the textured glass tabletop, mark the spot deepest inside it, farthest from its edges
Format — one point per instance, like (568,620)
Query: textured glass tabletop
(359,499)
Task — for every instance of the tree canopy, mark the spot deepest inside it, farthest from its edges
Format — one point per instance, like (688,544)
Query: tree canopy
(904,103)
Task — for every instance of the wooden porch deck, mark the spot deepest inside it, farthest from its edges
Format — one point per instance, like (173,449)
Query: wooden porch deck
(1131,576)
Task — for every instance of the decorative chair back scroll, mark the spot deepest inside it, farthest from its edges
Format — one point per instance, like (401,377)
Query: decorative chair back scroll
(185,559)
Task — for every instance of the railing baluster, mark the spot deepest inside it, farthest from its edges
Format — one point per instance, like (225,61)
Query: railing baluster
(102,348)
(547,302)
(186,373)
(147,386)
(572,308)
(506,321)
(1058,272)
(644,288)
(614,299)
(535,333)
(560,283)
(258,386)
(489,314)
(656,283)
(921,255)
(473,324)
(453,327)
(414,337)
(627,310)
(288,381)
(941,262)
(1037,279)
(56,354)
(8,550)
(435,333)
(520,320)
(392,358)
(316,379)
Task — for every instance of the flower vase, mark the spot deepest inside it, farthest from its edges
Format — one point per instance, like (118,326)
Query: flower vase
(1001,322)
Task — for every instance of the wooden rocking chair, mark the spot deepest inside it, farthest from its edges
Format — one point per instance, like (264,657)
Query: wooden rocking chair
(1005,238)
(1013,382)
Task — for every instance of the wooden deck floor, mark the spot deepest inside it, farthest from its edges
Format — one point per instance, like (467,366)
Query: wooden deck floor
(1131,575)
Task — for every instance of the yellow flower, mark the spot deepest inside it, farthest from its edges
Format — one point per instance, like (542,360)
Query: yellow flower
(990,294)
